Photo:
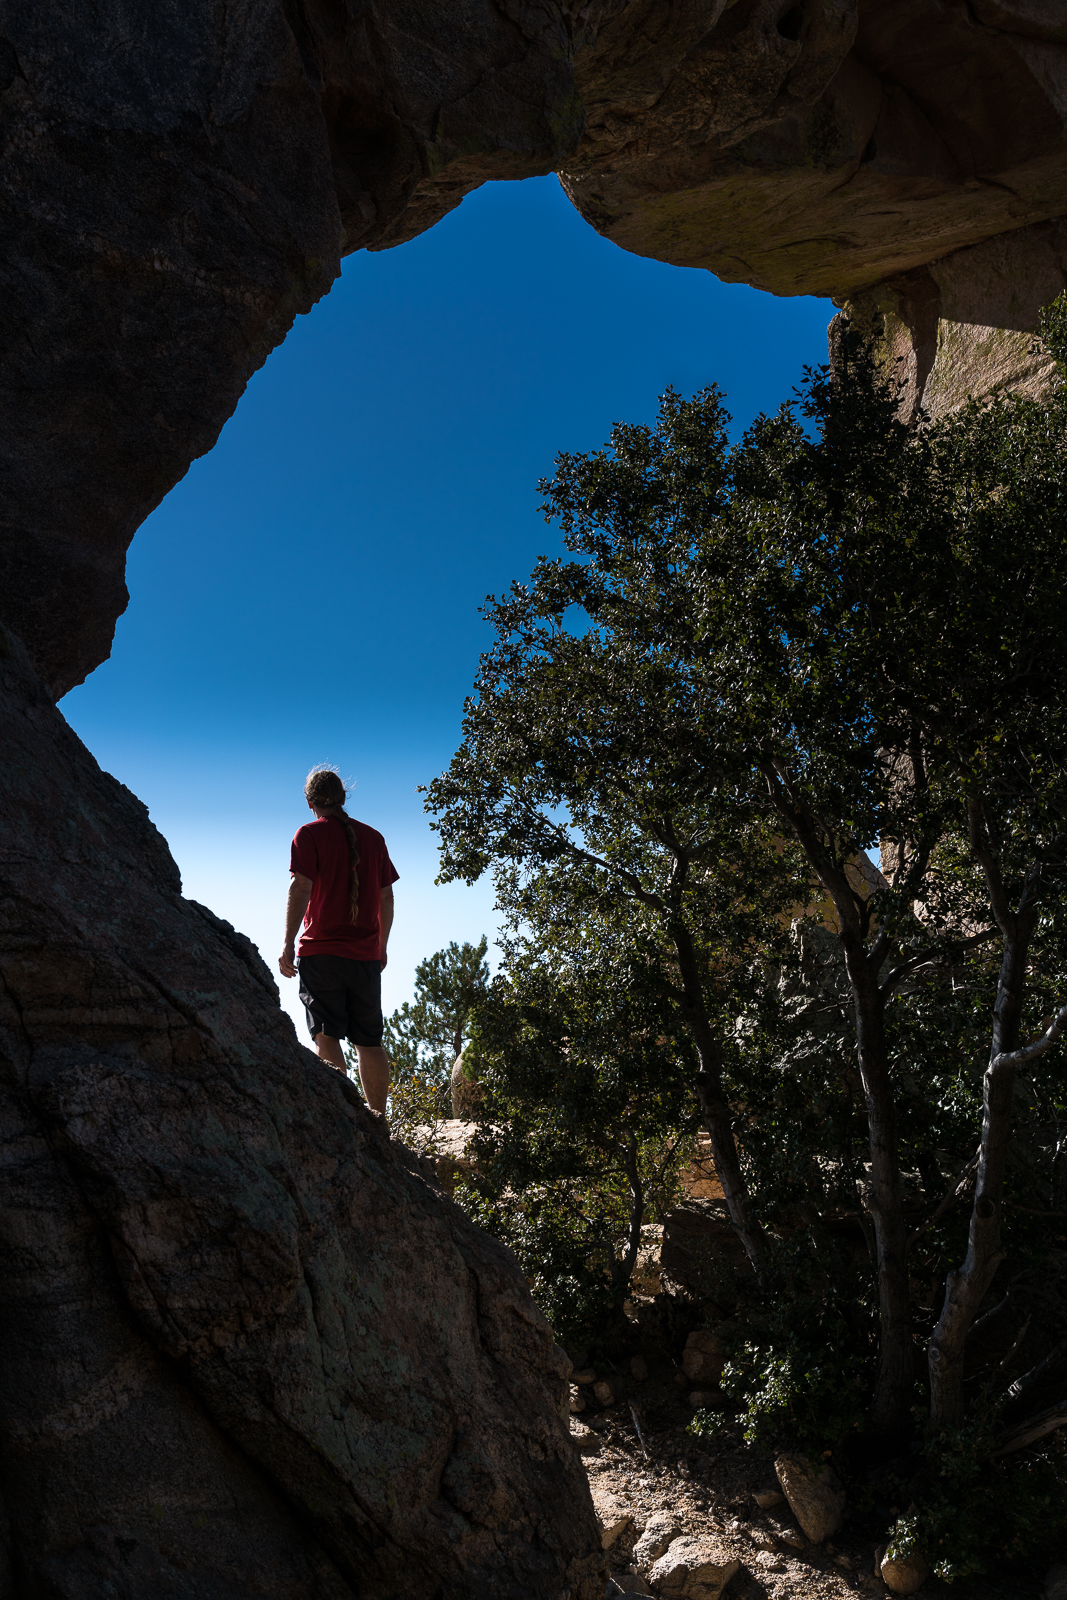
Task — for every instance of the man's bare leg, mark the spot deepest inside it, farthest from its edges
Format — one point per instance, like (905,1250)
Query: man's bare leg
(373,1068)
(374,1075)
(330,1050)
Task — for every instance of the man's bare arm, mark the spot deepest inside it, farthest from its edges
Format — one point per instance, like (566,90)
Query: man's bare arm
(386,917)
(295,907)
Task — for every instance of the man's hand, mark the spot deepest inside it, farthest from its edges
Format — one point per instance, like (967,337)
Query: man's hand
(296,905)
(385,914)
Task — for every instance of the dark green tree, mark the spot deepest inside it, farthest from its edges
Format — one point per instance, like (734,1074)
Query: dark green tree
(426,1035)
(760,661)
(587,775)
(585,1117)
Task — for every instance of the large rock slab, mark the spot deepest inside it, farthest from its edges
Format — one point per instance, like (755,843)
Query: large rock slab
(820,148)
(244,1347)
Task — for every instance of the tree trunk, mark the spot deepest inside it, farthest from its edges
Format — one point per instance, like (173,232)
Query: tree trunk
(967,1285)
(892,1392)
(624,1272)
(714,1110)
(893,1386)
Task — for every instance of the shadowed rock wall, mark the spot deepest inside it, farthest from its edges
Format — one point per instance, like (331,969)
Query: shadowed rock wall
(178,180)
(244,1348)
(822,147)
(907,158)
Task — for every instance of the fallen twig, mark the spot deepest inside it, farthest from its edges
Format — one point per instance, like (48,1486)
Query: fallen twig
(640,1436)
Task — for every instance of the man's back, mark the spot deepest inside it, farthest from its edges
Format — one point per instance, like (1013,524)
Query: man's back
(320,852)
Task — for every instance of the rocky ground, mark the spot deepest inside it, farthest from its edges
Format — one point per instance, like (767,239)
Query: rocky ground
(721,1491)
(718,1490)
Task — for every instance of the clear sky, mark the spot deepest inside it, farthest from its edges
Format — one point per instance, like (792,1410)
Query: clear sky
(310,591)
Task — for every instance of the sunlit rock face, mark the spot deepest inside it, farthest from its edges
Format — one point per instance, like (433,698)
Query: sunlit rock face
(964,325)
(906,157)
(178,180)
(821,147)
(245,1349)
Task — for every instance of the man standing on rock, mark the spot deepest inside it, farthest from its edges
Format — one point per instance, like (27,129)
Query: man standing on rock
(342,890)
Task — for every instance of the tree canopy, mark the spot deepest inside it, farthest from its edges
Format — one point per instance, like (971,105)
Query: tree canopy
(760,661)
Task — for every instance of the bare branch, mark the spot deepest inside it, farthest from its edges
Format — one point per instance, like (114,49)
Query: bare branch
(932,956)
(1019,1337)
(878,949)
(982,852)
(1002,1305)
(952,1193)
(1029,1379)
(1030,1052)
(1030,1431)
(631,880)
(834,881)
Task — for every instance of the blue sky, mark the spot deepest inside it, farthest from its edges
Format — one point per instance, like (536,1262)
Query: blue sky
(310,591)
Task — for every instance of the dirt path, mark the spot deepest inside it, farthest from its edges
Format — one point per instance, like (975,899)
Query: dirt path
(709,1487)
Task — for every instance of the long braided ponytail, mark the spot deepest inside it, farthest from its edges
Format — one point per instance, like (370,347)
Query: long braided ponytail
(327,794)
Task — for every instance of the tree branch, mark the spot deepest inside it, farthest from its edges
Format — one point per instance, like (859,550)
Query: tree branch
(934,956)
(991,1316)
(955,1189)
(981,850)
(878,948)
(1030,1052)
(631,880)
(833,880)
(1030,1431)
(1019,1337)
(1029,1379)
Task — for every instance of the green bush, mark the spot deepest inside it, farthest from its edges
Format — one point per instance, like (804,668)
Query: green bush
(583,1124)
(972,1511)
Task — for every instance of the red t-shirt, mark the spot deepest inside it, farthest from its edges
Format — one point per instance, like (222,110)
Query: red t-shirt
(320,852)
